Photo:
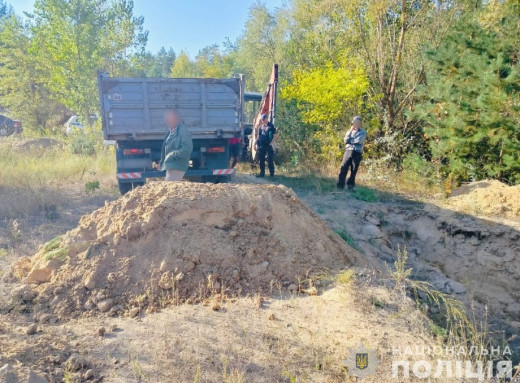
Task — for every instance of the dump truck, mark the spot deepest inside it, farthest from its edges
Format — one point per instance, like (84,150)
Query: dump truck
(132,113)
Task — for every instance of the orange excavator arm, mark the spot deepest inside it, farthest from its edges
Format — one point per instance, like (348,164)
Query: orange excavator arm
(267,106)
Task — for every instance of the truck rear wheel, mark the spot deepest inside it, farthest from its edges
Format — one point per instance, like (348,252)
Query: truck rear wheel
(223,179)
(125,187)
(215,179)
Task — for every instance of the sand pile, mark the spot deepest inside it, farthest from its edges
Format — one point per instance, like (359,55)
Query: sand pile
(491,198)
(38,143)
(171,243)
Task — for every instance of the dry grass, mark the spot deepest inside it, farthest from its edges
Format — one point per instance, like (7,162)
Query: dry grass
(292,338)
(458,328)
(34,180)
(371,175)
(404,183)
(52,166)
(375,183)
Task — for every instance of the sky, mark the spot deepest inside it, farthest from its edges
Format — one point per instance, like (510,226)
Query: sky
(187,25)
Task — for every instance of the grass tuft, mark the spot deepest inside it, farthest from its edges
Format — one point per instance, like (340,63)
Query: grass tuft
(345,277)
(60,254)
(32,179)
(53,244)
(456,328)
(347,238)
(365,194)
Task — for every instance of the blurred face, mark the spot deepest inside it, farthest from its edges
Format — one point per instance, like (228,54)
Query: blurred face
(172,118)
(356,124)
(264,120)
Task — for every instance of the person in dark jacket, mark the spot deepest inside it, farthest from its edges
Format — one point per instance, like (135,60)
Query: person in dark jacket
(266,134)
(176,149)
(354,141)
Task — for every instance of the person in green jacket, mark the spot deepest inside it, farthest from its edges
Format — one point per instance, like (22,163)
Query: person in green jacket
(176,149)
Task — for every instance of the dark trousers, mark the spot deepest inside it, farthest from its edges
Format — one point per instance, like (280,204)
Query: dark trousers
(262,151)
(351,161)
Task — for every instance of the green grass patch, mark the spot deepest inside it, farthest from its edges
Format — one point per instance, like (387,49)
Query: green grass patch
(347,238)
(437,330)
(53,244)
(365,194)
(307,182)
(60,253)
(91,187)
(52,250)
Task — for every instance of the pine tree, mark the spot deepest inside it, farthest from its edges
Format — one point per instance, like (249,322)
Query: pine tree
(472,103)
(161,63)
(5,9)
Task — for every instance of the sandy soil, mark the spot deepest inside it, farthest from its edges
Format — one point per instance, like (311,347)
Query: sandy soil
(181,243)
(276,334)
(265,338)
(487,198)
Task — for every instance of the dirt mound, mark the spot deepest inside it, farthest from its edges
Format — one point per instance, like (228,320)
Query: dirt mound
(40,143)
(171,243)
(490,197)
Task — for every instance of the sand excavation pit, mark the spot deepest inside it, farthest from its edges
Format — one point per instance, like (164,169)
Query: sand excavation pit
(491,197)
(168,243)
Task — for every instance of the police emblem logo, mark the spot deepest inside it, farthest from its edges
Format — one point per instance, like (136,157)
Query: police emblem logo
(362,360)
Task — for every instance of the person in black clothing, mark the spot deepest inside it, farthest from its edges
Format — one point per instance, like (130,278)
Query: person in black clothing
(354,141)
(266,132)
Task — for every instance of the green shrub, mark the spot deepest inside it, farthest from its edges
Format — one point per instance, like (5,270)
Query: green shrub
(83,144)
(59,253)
(91,187)
(414,163)
(347,238)
(53,244)
(365,194)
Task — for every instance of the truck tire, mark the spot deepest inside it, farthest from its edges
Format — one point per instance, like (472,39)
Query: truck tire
(125,187)
(223,179)
(215,179)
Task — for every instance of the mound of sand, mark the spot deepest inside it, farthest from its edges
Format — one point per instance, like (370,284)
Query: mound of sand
(492,198)
(171,243)
(40,143)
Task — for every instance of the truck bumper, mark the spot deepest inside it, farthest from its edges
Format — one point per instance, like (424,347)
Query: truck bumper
(142,176)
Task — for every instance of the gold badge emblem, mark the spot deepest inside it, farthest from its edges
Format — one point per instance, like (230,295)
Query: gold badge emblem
(361,360)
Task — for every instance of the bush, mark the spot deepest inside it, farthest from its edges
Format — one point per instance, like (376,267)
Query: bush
(83,144)
(91,187)
(414,163)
